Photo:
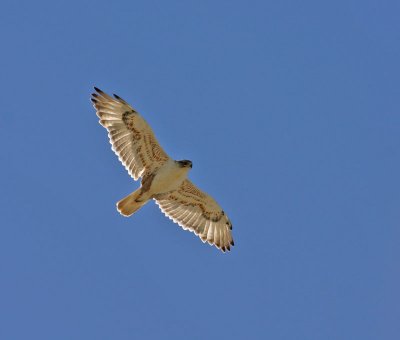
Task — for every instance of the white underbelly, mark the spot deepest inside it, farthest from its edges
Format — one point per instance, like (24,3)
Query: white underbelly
(168,178)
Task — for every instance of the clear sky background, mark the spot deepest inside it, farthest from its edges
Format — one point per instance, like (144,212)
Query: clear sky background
(290,112)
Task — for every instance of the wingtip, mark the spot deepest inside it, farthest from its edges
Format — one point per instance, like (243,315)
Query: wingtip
(121,100)
(97,89)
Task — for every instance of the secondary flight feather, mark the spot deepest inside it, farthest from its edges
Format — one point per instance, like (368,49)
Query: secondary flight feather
(162,178)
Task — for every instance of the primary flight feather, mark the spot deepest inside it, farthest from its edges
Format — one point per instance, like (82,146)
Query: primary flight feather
(162,178)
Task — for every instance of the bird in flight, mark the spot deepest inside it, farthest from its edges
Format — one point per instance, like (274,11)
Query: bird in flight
(162,178)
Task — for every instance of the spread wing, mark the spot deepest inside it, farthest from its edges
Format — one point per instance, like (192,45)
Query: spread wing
(130,136)
(198,212)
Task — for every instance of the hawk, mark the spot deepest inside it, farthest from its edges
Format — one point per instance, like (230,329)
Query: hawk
(162,178)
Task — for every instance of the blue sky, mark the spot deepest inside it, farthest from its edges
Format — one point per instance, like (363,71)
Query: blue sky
(290,113)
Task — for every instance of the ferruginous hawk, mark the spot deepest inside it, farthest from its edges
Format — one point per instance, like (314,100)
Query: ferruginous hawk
(162,178)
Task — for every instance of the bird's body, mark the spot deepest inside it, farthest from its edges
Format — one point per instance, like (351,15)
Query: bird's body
(163,179)
(169,177)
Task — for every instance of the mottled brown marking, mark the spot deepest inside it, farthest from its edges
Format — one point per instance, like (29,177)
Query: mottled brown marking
(147,145)
(128,115)
(215,217)
(157,152)
(128,119)
(187,187)
(146,181)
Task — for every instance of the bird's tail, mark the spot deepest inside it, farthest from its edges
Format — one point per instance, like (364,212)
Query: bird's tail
(131,203)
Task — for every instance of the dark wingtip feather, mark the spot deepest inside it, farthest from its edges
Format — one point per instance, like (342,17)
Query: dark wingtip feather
(98,90)
(117,97)
(232,243)
(94,100)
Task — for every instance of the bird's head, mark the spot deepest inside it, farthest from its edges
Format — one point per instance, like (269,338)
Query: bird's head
(185,164)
